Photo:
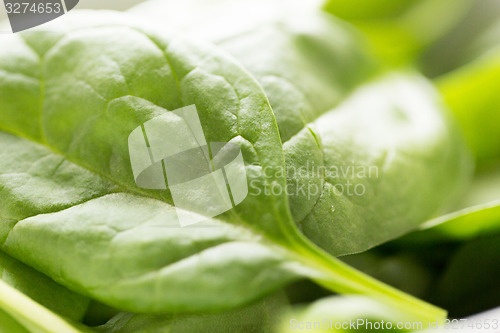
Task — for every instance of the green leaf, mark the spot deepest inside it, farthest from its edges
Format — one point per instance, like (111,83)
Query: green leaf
(484,189)
(42,289)
(400,30)
(84,120)
(368,9)
(407,153)
(259,317)
(460,226)
(471,92)
(481,216)
(472,37)
(72,210)
(306,70)
(306,60)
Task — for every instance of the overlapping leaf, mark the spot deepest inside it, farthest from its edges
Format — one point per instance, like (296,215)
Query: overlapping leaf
(378,143)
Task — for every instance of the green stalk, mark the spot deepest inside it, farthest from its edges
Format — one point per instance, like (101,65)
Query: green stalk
(341,278)
(31,315)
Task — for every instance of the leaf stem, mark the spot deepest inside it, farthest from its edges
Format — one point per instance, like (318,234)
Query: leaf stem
(344,279)
(30,314)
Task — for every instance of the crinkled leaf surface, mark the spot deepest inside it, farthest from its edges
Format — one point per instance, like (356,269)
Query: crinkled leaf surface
(395,127)
(306,60)
(78,215)
(70,207)
(390,141)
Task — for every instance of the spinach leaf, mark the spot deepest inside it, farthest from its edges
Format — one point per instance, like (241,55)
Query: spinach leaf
(459,226)
(81,219)
(471,92)
(379,142)
(306,60)
(484,189)
(89,127)
(479,215)
(399,143)
(472,87)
